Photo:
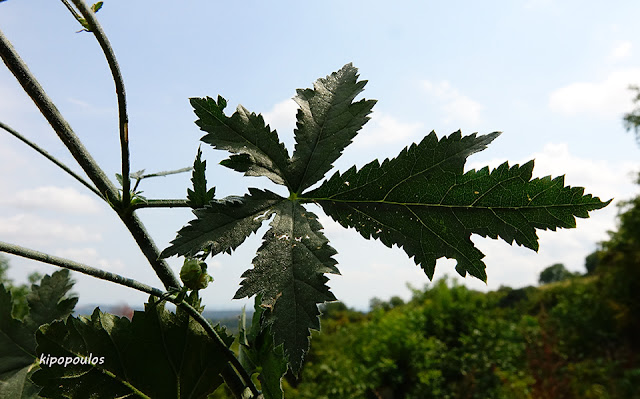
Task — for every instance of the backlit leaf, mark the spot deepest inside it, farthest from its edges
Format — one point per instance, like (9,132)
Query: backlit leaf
(423,202)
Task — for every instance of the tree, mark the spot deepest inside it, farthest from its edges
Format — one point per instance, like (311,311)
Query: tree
(632,119)
(554,273)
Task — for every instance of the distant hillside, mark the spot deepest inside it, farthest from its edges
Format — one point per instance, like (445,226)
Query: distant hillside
(227,318)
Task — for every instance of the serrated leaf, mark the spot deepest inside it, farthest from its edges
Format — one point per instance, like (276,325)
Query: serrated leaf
(158,354)
(242,133)
(424,203)
(199,196)
(18,359)
(326,122)
(289,274)
(257,354)
(224,224)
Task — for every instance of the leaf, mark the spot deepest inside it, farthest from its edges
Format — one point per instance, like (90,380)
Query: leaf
(199,196)
(243,133)
(97,6)
(424,203)
(326,122)
(223,225)
(258,355)
(158,354)
(288,274)
(18,359)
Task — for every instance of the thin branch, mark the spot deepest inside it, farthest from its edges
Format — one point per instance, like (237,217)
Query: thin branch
(167,173)
(78,267)
(48,109)
(30,84)
(161,203)
(51,158)
(149,249)
(123,119)
(136,285)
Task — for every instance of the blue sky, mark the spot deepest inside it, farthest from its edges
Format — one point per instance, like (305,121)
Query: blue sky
(551,75)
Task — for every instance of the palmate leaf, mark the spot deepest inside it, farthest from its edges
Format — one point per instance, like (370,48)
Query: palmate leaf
(424,203)
(288,273)
(421,201)
(244,133)
(47,301)
(327,121)
(158,353)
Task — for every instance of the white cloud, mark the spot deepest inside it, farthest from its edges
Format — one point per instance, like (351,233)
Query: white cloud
(87,108)
(282,115)
(456,106)
(65,199)
(384,129)
(607,98)
(621,50)
(34,229)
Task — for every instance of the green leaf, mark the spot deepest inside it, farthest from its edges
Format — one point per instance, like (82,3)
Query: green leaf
(223,225)
(258,355)
(243,133)
(97,6)
(18,359)
(424,203)
(158,354)
(327,121)
(288,273)
(199,196)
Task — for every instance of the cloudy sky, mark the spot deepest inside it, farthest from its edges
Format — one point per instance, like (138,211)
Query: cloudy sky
(552,75)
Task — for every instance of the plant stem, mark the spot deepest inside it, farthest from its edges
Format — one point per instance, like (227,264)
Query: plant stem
(30,84)
(123,119)
(78,267)
(136,285)
(51,158)
(55,119)
(149,249)
(161,203)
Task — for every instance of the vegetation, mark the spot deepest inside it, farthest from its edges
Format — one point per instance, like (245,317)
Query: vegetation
(447,342)
(573,338)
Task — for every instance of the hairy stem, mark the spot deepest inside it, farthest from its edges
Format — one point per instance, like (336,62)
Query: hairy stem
(48,109)
(78,267)
(51,158)
(161,203)
(123,119)
(136,285)
(85,160)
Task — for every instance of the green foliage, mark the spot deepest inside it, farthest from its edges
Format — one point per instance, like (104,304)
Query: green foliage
(47,302)
(132,357)
(632,119)
(554,273)
(199,196)
(421,201)
(258,354)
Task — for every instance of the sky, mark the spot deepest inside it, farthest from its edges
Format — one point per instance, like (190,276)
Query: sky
(551,75)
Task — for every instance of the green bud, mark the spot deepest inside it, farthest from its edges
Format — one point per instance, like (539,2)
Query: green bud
(194,274)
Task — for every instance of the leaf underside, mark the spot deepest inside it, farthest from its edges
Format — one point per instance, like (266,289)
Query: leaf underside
(158,353)
(47,302)
(423,202)
(288,273)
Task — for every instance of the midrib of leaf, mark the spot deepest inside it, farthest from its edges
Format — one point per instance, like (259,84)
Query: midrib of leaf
(317,141)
